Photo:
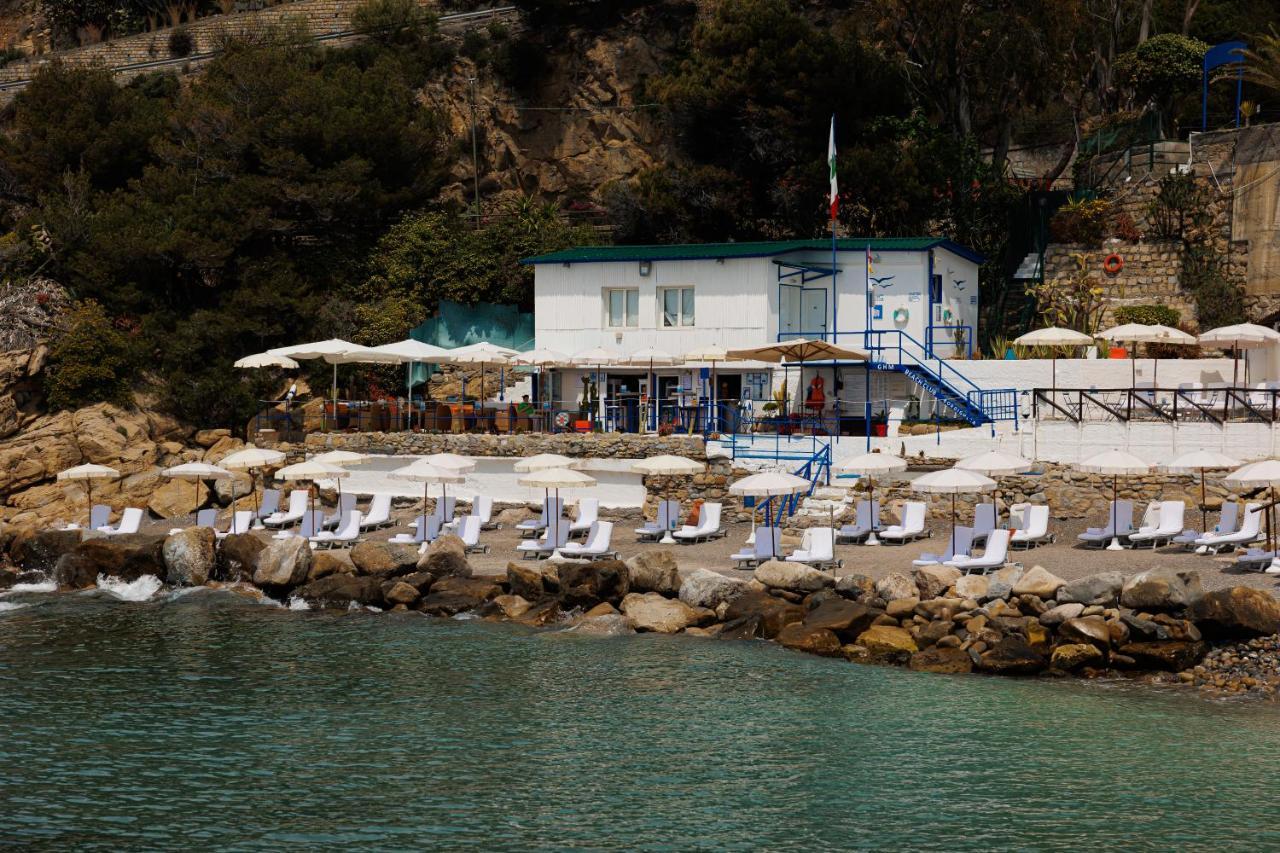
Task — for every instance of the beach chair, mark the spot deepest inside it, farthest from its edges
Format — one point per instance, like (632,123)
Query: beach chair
(207,518)
(911,526)
(469,533)
(1250,531)
(1169,525)
(99,517)
(1255,560)
(708,526)
(346,534)
(1119,523)
(551,508)
(554,536)
(1034,529)
(597,545)
(984,521)
(958,546)
(588,514)
(346,505)
(993,558)
(425,529)
(817,549)
(1227,516)
(241,521)
(865,519)
(270,503)
(308,526)
(298,501)
(379,514)
(130,519)
(668,514)
(482,508)
(766,547)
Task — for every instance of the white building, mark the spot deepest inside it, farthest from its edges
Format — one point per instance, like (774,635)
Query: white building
(909,301)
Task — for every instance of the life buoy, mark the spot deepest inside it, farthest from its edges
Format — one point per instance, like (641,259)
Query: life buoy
(900,315)
(562,419)
(1112,264)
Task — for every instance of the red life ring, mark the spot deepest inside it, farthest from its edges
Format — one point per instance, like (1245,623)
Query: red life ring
(1112,264)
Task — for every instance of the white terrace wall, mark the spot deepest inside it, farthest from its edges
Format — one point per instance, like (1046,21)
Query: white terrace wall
(1025,374)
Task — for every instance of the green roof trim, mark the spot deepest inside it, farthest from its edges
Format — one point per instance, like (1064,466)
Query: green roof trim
(764,249)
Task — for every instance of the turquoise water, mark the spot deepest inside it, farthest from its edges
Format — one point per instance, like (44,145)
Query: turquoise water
(211,722)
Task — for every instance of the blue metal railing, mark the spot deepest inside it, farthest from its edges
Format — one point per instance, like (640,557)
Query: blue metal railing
(898,349)
(816,467)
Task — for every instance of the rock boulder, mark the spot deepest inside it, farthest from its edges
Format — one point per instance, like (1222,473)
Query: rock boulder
(888,641)
(384,559)
(941,659)
(1038,581)
(124,557)
(446,558)
(238,556)
(654,571)
(176,498)
(705,588)
(807,638)
(525,581)
(896,585)
(451,595)
(585,584)
(190,555)
(283,563)
(1237,613)
(795,577)
(1162,589)
(1013,655)
(933,581)
(847,619)
(341,590)
(1101,589)
(1071,656)
(651,611)
(769,614)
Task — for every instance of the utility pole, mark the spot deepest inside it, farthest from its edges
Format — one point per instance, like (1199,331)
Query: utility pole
(475,156)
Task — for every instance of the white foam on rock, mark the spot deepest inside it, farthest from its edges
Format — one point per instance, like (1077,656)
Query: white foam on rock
(141,589)
(298,603)
(10,606)
(42,586)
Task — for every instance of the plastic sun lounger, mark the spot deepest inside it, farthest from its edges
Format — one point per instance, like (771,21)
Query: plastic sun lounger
(482,508)
(469,533)
(344,535)
(425,529)
(1169,526)
(588,514)
(99,517)
(344,508)
(958,546)
(766,547)
(1250,531)
(708,526)
(1119,518)
(551,508)
(993,558)
(817,549)
(1227,517)
(309,527)
(129,521)
(912,526)
(240,523)
(1255,559)
(298,501)
(866,519)
(270,503)
(984,521)
(668,512)
(1036,531)
(597,545)
(547,544)
(379,514)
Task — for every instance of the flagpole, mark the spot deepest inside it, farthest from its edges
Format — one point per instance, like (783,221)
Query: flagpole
(866,343)
(835,201)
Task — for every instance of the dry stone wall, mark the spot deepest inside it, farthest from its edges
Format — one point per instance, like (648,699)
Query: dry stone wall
(597,445)
(1151,274)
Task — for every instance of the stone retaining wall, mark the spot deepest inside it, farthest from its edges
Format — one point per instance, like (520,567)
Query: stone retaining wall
(1151,275)
(598,445)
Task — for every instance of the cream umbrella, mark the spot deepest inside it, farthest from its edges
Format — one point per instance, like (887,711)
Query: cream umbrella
(252,459)
(597,357)
(994,463)
(317,349)
(426,473)
(413,352)
(195,472)
(1114,463)
(713,354)
(1238,337)
(871,466)
(770,484)
(556,479)
(483,354)
(1197,462)
(340,458)
(543,461)
(451,461)
(265,359)
(1141,333)
(952,481)
(668,465)
(86,474)
(313,472)
(541,359)
(1054,337)
(1264,473)
(799,351)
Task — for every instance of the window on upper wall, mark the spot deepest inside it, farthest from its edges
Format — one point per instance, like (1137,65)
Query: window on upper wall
(676,304)
(622,307)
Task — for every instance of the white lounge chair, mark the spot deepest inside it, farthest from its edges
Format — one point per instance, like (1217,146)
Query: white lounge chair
(469,533)
(240,523)
(346,534)
(984,521)
(993,558)
(866,518)
(708,526)
(346,505)
(1250,531)
(597,545)
(425,529)
(1034,529)
(588,514)
(99,516)
(1255,560)
(129,521)
(1227,517)
(817,549)
(482,508)
(912,526)
(379,514)
(958,545)
(270,503)
(1168,526)
(298,502)
(551,508)
(766,547)
(668,515)
(1119,523)
(555,536)
(310,526)
(207,518)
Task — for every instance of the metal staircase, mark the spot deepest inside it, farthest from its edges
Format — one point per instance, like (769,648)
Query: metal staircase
(897,351)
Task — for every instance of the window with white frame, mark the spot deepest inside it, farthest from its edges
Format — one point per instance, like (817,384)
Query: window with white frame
(676,304)
(622,307)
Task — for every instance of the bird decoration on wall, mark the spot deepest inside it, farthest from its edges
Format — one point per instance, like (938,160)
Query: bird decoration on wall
(880,282)
(958,283)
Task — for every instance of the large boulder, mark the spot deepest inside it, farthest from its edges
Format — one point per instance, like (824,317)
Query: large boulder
(941,659)
(888,641)
(340,590)
(933,581)
(652,611)
(446,558)
(399,592)
(1086,629)
(896,585)
(584,584)
(769,614)
(705,588)
(238,556)
(384,559)
(654,571)
(41,551)
(176,498)
(847,619)
(1000,582)
(1162,589)
(525,581)
(283,563)
(807,638)
(1013,655)
(795,577)
(124,557)
(1237,613)
(190,555)
(1168,655)
(973,586)
(450,595)
(1057,615)
(1071,656)
(1103,589)
(1038,581)
(855,586)
(603,625)
(331,562)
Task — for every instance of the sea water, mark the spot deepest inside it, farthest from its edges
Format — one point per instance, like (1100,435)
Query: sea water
(211,721)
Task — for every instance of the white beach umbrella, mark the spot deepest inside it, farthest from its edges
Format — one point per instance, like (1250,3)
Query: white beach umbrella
(266,359)
(451,461)
(543,359)
(1115,463)
(557,478)
(597,357)
(799,351)
(328,350)
(1238,337)
(952,481)
(411,352)
(86,474)
(195,472)
(1197,462)
(1143,333)
(1054,337)
(313,472)
(340,457)
(872,466)
(543,461)
(668,465)
(252,459)
(770,484)
(995,463)
(1263,473)
(425,473)
(484,354)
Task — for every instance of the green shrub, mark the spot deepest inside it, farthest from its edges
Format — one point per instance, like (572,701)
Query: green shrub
(181,43)
(1085,221)
(89,361)
(1148,315)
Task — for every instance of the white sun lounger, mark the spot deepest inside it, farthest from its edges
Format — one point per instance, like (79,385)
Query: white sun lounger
(298,501)
(344,508)
(417,537)
(379,514)
(994,557)
(1249,532)
(588,514)
(99,517)
(129,521)
(240,523)
(766,547)
(597,546)
(270,503)
(1227,517)
(708,526)
(1119,523)
(1035,529)
(1168,526)
(346,534)
(469,532)
(482,508)
(866,518)
(208,518)
(551,508)
(309,527)
(1255,559)
(957,546)
(912,526)
(817,549)
(984,521)
(547,544)
(668,515)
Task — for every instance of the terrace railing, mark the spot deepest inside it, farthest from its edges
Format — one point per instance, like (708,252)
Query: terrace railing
(1145,403)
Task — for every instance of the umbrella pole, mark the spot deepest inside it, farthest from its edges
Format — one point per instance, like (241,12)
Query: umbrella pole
(875,516)
(335,394)
(1115,511)
(1133,366)
(88,484)
(953,524)
(715,397)
(773,540)
(424,508)
(1204,510)
(196,508)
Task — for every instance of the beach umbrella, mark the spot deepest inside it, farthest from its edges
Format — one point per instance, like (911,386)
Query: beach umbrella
(995,463)
(799,351)
(1054,337)
(423,472)
(668,465)
(335,351)
(340,458)
(712,354)
(413,352)
(1238,337)
(556,479)
(871,466)
(541,359)
(1199,461)
(1142,333)
(266,359)
(770,484)
(1264,473)
(1114,463)
(483,354)
(952,481)
(313,472)
(543,461)
(195,472)
(451,461)
(597,357)
(252,459)
(86,474)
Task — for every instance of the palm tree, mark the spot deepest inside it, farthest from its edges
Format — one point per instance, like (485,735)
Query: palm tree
(1262,62)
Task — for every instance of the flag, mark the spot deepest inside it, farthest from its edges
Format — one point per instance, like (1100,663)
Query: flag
(831,165)
(870,269)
